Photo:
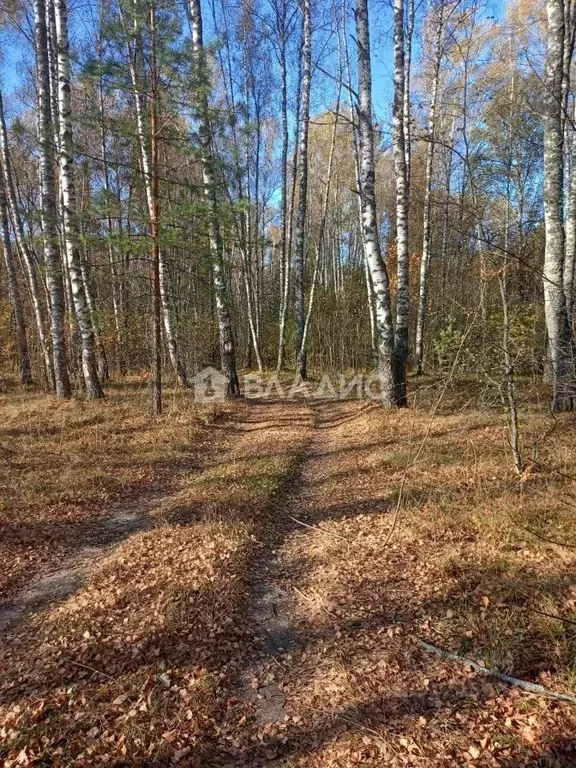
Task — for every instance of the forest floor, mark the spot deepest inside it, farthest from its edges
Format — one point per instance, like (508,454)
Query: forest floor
(248,584)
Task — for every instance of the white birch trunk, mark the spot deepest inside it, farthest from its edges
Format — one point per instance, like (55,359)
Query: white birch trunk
(300,245)
(554,299)
(13,288)
(227,344)
(570,245)
(48,209)
(284,249)
(68,192)
(426,239)
(407,88)
(366,266)
(400,171)
(25,252)
(446,212)
(373,254)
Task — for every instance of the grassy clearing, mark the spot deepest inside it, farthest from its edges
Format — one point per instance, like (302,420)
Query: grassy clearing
(141,666)
(463,570)
(137,666)
(67,463)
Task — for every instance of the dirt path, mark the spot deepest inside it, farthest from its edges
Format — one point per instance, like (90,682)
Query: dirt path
(280,635)
(270,604)
(253,618)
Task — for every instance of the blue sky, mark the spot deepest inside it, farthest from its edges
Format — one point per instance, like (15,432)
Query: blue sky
(15,53)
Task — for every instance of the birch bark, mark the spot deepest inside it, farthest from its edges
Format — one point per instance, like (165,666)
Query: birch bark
(48,209)
(373,254)
(554,299)
(401,173)
(13,288)
(570,245)
(426,239)
(68,192)
(300,245)
(227,344)
(407,88)
(24,249)
(284,249)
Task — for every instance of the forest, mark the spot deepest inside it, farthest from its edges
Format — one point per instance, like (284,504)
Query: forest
(287,383)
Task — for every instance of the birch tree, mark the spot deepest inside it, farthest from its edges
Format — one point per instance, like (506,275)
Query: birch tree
(407,117)
(401,174)
(13,288)
(282,28)
(371,240)
(68,192)
(426,239)
(155,225)
(24,249)
(554,299)
(570,155)
(570,240)
(227,345)
(300,234)
(48,210)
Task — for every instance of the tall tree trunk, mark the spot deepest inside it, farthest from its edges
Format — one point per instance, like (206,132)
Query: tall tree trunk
(133,58)
(13,288)
(570,158)
(570,245)
(426,239)
(48,209)
(116,287)
(227,344)
(510,400)
(24,249)
(300,246)
(68,192)
(356,149)
(242,219)
(290,213)
(284,250)
(155,227)
(554,300)
(373,254)
(446,213)
(407,118)
(400,171)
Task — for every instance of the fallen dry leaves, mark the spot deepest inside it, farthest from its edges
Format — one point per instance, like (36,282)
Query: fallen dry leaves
(144,664)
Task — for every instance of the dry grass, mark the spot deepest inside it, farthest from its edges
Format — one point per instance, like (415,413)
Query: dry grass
(141,666)
(67,463)
(461,571)
(136,667)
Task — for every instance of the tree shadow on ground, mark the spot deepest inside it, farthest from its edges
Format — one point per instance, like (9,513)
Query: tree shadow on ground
(190,642)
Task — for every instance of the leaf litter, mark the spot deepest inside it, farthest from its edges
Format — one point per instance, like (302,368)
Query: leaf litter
(147,662)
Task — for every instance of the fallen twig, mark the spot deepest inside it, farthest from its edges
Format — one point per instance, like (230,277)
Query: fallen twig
(539,690)
(544,538)
(319,528)
(512,606)
(91,669)
(551,616)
